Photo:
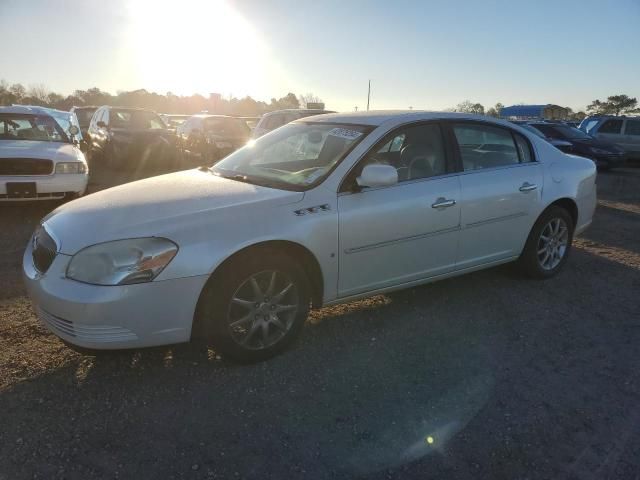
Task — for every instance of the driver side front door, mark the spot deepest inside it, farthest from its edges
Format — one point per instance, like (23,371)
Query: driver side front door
(403,233)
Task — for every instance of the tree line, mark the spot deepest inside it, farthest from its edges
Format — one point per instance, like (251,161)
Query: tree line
(17,93)
(613,105)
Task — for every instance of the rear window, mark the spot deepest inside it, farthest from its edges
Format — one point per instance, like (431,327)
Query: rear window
(611,126)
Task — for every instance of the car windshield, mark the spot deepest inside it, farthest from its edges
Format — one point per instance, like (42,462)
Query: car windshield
(135,119)
(296,156)
(571,132)
(39,128)
(84,116)
(65,120)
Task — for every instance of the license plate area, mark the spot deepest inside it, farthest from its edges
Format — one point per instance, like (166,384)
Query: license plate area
(21,190)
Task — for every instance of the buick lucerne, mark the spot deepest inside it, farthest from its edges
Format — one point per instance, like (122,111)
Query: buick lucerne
(323,210)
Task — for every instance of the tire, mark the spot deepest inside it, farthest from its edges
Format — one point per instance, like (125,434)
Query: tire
(541,259)
(251,324)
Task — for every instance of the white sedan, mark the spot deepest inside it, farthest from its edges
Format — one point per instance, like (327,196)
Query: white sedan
(321,211)
(38,158)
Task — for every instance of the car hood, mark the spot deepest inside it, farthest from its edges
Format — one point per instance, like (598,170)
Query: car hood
(55,151)
(169,205)
(595,143)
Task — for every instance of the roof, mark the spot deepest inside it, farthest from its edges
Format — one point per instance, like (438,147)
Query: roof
(305,110)
(210,115)
(25,110)
(378,117)
(525,110)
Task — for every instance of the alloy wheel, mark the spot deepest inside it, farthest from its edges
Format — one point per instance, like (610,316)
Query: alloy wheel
(552,244)
(263,309)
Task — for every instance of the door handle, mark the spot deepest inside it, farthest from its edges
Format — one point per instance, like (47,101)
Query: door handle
(443,203)
(527,187)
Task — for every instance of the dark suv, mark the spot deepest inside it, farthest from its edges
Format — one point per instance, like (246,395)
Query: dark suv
(605,155)
(131,137)
(212,137)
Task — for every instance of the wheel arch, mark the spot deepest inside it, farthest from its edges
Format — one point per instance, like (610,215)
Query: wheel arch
(298,252)
(567,204)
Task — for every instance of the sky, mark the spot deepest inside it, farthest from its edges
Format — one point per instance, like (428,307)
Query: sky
(420,54)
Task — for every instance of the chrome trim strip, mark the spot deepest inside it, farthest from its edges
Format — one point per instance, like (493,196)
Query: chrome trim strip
(495,219)
(371,246)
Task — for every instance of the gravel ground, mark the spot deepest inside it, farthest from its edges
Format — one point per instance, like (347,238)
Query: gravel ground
(484,376)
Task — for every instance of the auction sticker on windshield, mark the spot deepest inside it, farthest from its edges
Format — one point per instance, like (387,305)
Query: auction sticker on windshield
(345,133)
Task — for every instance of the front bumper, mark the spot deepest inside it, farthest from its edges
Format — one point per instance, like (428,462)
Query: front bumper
(47,186)
(104,317)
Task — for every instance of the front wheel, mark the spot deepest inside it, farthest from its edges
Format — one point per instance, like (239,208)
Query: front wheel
(549,243)
(255,307)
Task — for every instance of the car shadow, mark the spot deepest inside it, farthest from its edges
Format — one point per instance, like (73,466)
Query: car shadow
(477,376)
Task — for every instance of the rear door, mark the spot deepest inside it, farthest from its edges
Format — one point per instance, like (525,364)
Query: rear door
(632,137)
(501,186)
(611,131)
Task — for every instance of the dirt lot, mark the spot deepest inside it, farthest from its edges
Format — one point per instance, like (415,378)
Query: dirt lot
(484,376)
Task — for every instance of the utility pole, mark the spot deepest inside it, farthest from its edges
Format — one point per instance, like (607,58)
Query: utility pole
(368,95)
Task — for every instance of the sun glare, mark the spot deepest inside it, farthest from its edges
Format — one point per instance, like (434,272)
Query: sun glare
(199,47)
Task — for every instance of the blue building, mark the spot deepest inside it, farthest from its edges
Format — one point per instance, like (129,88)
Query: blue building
(534,112)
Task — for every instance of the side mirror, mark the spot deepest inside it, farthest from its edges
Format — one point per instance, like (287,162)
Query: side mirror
(101,124)
(73,130)
(377,175)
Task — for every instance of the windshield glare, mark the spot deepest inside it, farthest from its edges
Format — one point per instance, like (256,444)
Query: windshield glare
(571,132)
(298,155)
(40,128)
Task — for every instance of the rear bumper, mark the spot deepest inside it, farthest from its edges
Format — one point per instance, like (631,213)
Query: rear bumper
(47,186)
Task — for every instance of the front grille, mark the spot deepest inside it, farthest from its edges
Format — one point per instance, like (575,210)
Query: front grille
(44,249)
(25,166)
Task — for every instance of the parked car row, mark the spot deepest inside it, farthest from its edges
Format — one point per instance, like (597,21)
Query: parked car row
(624,132)
(569,139)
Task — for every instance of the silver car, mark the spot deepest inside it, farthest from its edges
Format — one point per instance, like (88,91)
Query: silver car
(319,212)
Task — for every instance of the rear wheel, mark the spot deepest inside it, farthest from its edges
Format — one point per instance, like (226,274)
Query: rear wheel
(255,307)
(549,243)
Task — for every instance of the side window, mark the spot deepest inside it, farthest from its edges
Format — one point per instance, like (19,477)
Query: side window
(611,126)
(524,148)
(485,146)
(632,128)
(590,124)
(95,118)
(415,151)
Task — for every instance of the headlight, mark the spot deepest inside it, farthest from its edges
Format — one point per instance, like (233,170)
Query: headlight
(122,262)
(71,167)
